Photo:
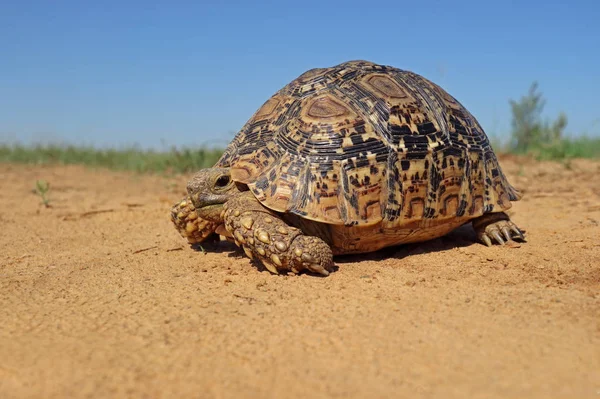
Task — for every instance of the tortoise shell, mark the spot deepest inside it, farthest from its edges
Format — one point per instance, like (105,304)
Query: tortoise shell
(359,144)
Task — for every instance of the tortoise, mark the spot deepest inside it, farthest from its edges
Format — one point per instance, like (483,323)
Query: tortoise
(350,159)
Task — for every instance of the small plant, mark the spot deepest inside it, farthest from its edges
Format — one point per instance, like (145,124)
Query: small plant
(41,188)
(543,138)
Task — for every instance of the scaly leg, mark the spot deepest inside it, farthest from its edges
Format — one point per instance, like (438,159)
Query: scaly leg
(189,225)
(278,246)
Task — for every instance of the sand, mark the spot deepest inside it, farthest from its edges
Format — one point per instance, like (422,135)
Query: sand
(100,297)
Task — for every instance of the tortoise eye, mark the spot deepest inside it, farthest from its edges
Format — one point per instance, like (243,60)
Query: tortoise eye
(222,181)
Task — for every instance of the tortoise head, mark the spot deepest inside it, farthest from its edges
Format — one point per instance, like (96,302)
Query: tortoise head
(209,189)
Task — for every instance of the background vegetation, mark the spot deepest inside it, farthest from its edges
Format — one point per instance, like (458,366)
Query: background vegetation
(176,160)
(541,138)
(531,135)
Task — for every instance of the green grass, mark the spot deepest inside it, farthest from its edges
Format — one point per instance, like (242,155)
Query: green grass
(558,150)
(182,160)
(583,147)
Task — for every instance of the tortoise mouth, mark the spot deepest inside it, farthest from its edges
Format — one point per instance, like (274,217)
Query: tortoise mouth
(211,212)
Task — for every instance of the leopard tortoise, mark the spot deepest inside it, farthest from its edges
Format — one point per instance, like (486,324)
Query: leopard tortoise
(349,159)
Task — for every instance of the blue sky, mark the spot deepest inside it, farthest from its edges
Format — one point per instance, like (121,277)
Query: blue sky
(188,73)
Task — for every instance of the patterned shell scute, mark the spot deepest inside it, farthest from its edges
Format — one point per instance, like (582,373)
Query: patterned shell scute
(361,143)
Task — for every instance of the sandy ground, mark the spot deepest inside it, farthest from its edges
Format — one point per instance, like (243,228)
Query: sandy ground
(100,297)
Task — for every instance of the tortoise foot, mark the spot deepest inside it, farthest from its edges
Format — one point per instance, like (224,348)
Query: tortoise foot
(496,228)
(188,224)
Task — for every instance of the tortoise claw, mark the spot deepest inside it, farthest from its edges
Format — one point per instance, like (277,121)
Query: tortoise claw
(486,240)
(317,268)
(496,235)
(506,233)
(496,228)
(517,232)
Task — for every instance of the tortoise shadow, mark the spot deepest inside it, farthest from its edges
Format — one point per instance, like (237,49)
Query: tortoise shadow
(219,247)
(463,236)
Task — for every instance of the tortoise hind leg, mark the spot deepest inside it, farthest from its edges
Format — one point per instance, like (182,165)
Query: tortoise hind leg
(496,227)
(264,236)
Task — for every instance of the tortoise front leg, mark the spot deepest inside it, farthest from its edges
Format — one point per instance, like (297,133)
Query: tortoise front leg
(278,246)
(188,224)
